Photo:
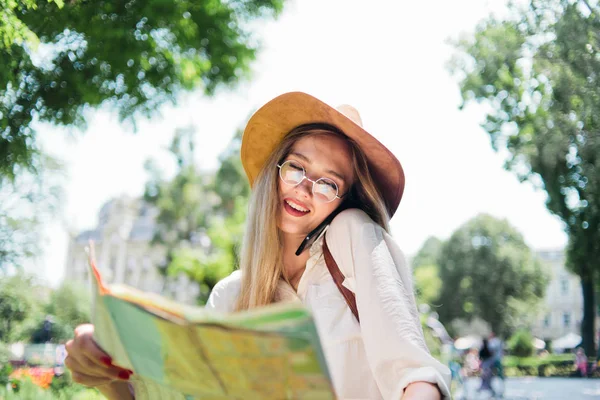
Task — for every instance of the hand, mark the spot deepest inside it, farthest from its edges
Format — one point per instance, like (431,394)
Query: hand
(89,365)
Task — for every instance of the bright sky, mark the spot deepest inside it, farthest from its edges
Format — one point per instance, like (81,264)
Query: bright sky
(386,58)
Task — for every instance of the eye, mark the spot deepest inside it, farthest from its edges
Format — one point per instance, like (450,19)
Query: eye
(295,165)
(328,183)
(291,172)
(332,185)
(325,188)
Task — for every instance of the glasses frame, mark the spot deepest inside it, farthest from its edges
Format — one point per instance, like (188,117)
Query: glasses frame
(337,188)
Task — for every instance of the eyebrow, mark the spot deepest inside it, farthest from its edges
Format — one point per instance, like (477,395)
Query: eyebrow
(329,171)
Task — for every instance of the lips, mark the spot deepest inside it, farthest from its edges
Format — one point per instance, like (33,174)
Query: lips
(294,208)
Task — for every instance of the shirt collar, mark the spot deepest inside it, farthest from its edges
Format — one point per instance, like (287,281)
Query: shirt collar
(316,250)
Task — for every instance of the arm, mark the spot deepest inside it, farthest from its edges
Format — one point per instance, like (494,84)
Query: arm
(391,329)
(422,391)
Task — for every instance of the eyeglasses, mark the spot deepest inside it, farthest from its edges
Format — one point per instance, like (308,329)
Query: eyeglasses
(324,190)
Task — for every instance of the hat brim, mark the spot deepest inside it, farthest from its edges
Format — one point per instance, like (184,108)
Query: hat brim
(269,125)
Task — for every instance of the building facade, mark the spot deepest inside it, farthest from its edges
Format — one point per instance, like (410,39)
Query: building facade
(124,253)
(562,309)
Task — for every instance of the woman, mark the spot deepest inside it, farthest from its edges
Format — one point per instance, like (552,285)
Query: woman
(306,162)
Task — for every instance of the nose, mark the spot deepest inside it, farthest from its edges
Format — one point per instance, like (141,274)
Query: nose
(304,188)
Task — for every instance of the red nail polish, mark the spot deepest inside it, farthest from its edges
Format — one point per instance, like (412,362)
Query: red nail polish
(124,375)
(130,372)
(106,361)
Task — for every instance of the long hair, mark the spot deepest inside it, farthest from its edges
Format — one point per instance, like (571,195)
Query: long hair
(261,258)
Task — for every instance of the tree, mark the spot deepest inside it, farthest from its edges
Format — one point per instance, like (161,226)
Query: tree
(230,180)
(29,311)
(201,215)
(210,264)
(539,74)
(521,343)
(25,203)
(67,307)
(185,201)
(427,283)
(60,58)
(488,271)
(17,304)
(428,254)
(425,270)
(70,304)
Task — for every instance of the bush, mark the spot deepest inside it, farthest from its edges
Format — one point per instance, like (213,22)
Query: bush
(521,344)
(557,365)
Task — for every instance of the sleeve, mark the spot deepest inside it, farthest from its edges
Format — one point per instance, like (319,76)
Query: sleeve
(375,271)
(224,294)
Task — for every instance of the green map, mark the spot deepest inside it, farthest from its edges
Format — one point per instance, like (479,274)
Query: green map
(184,352)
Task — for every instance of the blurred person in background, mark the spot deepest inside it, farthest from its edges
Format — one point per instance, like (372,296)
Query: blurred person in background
(472,362)
(496,346)
(581,362)
(487,361)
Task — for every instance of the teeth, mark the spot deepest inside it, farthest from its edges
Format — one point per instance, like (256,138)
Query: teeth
(296,207)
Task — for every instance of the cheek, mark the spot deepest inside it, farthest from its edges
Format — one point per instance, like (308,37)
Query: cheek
(284,190)
(323,210)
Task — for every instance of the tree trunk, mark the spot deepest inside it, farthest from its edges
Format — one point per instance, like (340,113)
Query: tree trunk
(589,314)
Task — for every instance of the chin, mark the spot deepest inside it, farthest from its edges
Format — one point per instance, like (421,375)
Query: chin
(288,225)
(294,229)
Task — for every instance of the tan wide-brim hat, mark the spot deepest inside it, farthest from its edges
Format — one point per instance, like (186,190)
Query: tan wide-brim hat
(269,125)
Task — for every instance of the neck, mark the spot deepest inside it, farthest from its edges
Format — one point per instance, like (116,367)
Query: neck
(294,265)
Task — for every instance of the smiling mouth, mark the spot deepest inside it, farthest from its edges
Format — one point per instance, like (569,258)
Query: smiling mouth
(294,209)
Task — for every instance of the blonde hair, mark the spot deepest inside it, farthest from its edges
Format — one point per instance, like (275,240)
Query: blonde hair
(261,258)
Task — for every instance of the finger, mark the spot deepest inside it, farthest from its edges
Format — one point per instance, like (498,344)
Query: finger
(84,365)
(114,371)
(86,347)
(76,350)
(84,340)
(87,380)
(81,374)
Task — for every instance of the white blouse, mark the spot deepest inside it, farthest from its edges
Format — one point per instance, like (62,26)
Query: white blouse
(379,357)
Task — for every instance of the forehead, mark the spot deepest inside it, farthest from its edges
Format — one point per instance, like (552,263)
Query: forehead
(327,152)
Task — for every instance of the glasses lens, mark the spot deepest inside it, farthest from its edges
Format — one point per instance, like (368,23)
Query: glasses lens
(291,173)
(325,190)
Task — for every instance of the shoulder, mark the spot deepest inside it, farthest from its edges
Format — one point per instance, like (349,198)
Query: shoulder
(349,218)
(352,232)
(225,292)
(353,223)
(232,280)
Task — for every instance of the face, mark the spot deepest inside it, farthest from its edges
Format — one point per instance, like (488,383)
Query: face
(322,157)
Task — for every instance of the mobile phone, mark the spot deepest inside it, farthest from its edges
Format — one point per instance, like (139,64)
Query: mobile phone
(315,233)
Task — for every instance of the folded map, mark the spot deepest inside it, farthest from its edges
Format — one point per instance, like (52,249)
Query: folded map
(184,352)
